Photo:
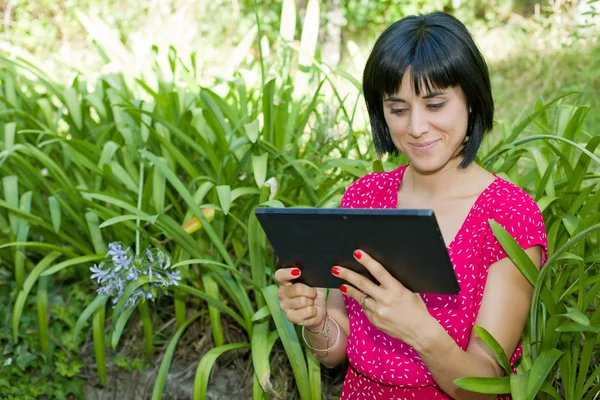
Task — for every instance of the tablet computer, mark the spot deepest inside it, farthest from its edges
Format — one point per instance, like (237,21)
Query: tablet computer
(407,242)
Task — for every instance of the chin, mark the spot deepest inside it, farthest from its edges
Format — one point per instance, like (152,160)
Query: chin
(432,165)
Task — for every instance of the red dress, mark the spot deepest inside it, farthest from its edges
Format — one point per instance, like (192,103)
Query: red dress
(382,367)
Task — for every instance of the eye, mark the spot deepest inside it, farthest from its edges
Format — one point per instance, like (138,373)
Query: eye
(436,106)
(398,111)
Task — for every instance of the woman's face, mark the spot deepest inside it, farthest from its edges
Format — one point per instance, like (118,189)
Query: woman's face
(429,129)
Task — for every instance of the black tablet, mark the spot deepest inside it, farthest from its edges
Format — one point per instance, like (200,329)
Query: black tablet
(408,243)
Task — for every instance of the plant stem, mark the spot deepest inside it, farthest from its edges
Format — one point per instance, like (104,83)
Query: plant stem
(259,36)
(139,206)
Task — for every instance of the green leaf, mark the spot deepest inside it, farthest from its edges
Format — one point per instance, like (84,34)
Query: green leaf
(73,261)
(259,166)
(495,347)
(99,301)
(55,214)
(42,312)
(252,130)
(27,286)
(212,289)
(205,367)
(224,193)
(260,357)
(515,252)
(378,166)
(158,191)
(99,343)
(115,220)
(575,327)
(9,135)
(74,107)
(260,314)
(161,378)
(540,370)
(119,326)
(11,195)
(484,385)
(96,236)
(290,341)
(577,316)
(518,386)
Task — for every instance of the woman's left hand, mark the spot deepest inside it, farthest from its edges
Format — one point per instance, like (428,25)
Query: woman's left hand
(390,306)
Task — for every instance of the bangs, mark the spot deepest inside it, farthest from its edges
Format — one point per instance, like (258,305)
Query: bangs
(430,66)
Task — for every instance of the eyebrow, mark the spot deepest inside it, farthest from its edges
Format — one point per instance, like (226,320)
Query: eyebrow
(395,99)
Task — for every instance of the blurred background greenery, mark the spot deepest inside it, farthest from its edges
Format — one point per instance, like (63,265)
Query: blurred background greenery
(165,122)
(534,48)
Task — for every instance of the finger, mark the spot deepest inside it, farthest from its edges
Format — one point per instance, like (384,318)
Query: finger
(358,296)
(285,276)
(384,278)
(304,316)
(358,281)
(296,303)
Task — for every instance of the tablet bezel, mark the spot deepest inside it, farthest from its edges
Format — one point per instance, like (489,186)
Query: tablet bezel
(316,239)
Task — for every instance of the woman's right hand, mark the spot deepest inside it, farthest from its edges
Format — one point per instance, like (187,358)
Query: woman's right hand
(302,305)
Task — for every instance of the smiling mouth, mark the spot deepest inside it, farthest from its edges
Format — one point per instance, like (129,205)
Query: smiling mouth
(424,146)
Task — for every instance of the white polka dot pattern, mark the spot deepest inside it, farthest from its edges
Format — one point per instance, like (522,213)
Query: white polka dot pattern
(382,367)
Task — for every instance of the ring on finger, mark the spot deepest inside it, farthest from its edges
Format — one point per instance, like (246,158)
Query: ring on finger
(363,303)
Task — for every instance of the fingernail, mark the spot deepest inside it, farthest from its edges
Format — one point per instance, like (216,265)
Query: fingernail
(335,270)
(343,289)
(358,254)
(295,272)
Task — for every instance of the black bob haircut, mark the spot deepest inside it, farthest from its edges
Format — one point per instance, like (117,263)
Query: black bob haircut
(440,53)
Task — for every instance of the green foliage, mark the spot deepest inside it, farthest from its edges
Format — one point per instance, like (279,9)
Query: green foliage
(155,159)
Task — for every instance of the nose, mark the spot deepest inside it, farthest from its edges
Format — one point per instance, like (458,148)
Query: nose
(419,123)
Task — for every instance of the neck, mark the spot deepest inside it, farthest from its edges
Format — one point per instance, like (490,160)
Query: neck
(436,184)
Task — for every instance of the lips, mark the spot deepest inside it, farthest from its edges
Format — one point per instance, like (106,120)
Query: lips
(424,146)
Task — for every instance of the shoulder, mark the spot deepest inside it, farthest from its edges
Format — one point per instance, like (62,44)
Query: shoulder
(373,188)
(518,213)
(507,202)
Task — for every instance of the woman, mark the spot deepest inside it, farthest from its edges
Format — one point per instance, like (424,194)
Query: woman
(428,95)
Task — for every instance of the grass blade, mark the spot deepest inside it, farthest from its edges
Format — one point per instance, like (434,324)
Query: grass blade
(259,166)
(515,252)
(485,385)
(55,214)
(99,301)
(22,234)
(42,312)
(290,341)
(99,343)
(27,286)
(161,378)
(212,289)
(205,367)
(540,370)
(495,347)
(147,324)
(260,357)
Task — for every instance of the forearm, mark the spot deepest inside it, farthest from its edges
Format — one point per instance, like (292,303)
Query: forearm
(336,354)
(447,362)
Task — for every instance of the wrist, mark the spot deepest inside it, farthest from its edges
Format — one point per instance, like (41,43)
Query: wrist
(431,338)
(318,327)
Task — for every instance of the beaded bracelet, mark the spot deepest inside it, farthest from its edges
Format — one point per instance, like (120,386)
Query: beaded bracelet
(327,335)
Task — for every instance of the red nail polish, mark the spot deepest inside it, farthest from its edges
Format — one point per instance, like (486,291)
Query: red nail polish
(358,254)
(295,272)
(343,289)
(335,270)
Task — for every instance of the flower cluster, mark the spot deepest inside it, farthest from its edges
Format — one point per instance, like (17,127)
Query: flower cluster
(122,267)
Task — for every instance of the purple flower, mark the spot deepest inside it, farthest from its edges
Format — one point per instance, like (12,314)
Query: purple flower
(99,273)
(121,268)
